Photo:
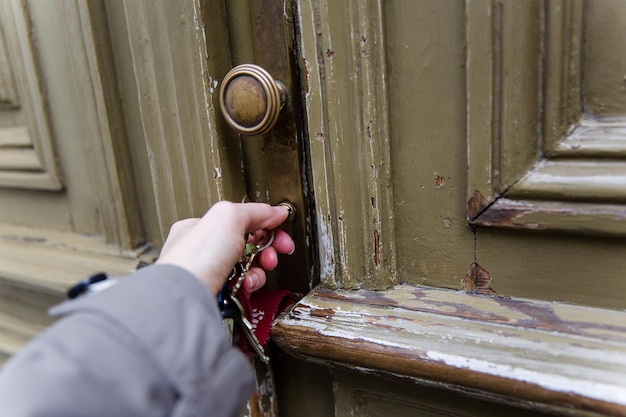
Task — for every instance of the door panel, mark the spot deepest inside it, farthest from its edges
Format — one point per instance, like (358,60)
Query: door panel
(453,145)
(429,147)
(571,182)
(75,211)
(604,85)
(460,128)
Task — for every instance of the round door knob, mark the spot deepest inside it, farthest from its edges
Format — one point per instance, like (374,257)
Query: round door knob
(251,100)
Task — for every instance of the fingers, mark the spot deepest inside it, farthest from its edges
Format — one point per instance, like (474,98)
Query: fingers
(268,260)
(210,246)
(251,216)
(282,242)
(264,216)
(255,279)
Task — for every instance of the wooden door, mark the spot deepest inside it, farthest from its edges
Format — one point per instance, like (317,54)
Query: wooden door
(110,131)
(467,172)
(459,185)
(68,205)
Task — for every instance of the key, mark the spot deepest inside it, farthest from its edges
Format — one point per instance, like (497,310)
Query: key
(245,269)
(229,315)
(251,250)
(232,311)
(248,331)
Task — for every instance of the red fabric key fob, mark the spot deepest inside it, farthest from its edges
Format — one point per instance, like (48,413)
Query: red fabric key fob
(261,308)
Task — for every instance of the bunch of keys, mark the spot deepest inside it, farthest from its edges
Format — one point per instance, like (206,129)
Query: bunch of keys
(232,311)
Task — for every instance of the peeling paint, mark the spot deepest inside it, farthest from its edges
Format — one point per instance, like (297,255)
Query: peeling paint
(599,391)
(512,348)
(477,280)
(326,313)
(376,247)
(326,250)
(476,204)
(439,181)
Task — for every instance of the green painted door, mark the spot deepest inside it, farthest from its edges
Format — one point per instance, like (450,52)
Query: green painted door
(468,172)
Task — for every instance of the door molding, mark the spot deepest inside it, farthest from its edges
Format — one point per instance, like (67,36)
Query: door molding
(104,132)
(194,160)
(27,156)
(345,85)
(535,161)
(542,355)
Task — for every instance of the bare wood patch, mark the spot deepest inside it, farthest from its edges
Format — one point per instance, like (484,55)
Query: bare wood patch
(552,355)
(477,280)
(476,204)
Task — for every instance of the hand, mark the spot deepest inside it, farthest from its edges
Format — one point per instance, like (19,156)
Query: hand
(209,247)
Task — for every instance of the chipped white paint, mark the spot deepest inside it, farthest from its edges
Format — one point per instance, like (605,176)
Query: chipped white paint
(215,152)
(567,384)
(411,328)
(326,249)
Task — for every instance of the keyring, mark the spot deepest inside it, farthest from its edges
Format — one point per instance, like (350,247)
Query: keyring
(268,243)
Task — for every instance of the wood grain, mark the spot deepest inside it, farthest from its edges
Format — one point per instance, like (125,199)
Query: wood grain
(558,355)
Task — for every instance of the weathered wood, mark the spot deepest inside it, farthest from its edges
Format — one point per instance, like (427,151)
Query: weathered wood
(505,156)
(591,181)
(51,261)
(562,356)
(192,161)
(25,103)
(104,136)
(36,269)
(346,91)
(593,139)
(584,218)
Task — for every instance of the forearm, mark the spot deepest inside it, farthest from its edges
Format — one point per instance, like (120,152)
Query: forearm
(151,345)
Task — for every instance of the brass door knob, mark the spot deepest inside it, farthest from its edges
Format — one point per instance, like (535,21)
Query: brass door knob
(251,100)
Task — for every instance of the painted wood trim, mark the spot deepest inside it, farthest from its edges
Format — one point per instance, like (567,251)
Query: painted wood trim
(36,269)
(483,163)
(572,180)
(503,84)
(51,261)
(593,139)
(557,355)
(346,101)
(8,90)
(570,159)
(105,137)
(583,218)
(562,106)
(520,54)
(192,163)
(39,170)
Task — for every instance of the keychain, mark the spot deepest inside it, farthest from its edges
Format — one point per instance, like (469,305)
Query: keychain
(233,313)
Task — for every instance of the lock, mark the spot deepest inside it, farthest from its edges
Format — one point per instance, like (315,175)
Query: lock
(291,209)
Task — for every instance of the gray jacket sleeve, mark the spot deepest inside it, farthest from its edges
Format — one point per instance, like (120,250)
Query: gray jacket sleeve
(151,345)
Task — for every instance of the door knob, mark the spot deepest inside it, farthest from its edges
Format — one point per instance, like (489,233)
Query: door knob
(251,100)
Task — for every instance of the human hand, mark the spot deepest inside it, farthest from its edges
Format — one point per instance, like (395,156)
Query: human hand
(209,247)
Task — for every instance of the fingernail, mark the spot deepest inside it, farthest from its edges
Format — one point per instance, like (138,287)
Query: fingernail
(253,281)
(291,211)
(292,250)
